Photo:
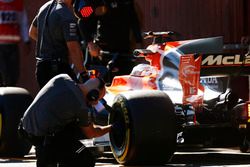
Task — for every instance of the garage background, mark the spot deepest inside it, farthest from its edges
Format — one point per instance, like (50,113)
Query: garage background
(190,18)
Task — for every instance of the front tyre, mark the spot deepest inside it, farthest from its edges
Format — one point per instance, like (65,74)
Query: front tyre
(147,131)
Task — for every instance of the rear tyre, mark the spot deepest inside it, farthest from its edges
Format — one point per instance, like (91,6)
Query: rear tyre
(147,128)
(13,103)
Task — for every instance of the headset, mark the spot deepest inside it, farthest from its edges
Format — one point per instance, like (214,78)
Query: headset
(82,8)
(85,8)
(94,94)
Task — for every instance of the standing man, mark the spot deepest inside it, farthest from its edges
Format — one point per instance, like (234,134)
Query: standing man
(113,27)
(58,49)
(13,28)
(58,114)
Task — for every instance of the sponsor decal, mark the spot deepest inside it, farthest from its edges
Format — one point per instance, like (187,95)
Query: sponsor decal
(225,60)
(72,25)
(72,29)
(210,80)
(212,83)
(189,70)
(189,77)
(189,74)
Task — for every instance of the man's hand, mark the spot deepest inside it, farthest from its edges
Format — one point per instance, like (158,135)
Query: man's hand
(95,130)
(94,49)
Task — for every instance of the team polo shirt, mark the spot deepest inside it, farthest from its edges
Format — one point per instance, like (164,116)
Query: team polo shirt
(59,27)
(58,103)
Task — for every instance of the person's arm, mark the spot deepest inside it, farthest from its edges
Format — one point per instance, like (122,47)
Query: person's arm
(92,130)
(87,28)
(33,31)
(71,36)
(76,56)
(93,49)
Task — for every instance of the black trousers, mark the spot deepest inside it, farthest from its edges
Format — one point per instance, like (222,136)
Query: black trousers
(62,149)
(45,70)
(65,153)
(9,64)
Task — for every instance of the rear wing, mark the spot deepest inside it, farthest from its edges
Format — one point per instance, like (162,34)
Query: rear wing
(217,58)
(202,45)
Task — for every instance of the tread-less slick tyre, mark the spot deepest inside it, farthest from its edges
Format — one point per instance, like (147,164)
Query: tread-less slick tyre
(13,103)
(147,128)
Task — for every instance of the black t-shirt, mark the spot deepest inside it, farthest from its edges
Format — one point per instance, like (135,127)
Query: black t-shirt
(113,28)
(58,103)
(60,27)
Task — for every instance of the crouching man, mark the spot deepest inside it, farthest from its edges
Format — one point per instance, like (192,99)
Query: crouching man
(56,116)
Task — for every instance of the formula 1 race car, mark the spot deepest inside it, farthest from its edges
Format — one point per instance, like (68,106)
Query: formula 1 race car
(181,96)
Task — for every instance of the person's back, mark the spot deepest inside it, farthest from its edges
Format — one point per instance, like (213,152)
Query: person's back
(59,117)
(50,111)
(51,31)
